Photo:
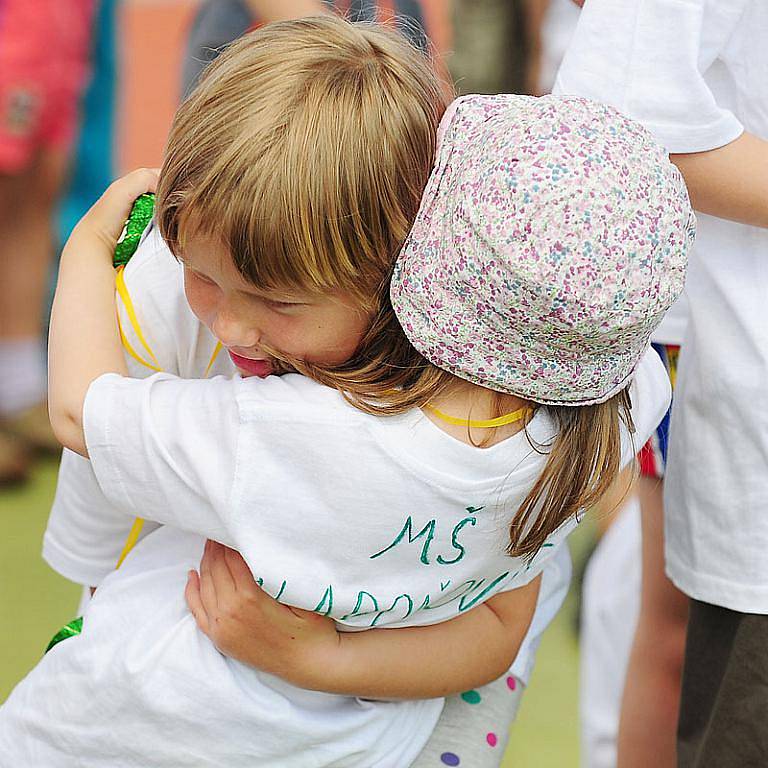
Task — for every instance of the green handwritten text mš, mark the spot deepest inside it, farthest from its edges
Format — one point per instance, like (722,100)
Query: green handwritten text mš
(427,534)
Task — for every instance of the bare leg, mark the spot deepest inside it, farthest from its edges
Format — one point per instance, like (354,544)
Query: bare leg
(652,690)
(26,244)
(27,203)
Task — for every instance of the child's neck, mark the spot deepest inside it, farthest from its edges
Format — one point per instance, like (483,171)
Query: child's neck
(464,400)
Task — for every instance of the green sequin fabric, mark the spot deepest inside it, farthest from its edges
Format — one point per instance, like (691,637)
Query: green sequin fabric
(75,627)
(140,216)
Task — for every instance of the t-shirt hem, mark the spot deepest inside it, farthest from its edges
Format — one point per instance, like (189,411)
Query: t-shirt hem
(522,668)
(425,712)
(709,589)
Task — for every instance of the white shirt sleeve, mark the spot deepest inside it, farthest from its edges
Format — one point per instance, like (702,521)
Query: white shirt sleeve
(651,60)
(85,533)
(165,448)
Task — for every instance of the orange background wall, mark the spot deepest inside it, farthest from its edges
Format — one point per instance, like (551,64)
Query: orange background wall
(150,47)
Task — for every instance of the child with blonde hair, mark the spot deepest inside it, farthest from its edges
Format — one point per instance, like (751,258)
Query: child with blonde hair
(431,459)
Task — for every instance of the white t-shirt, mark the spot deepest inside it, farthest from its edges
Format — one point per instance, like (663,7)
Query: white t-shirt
(696,74)
(85,534)
(372,521)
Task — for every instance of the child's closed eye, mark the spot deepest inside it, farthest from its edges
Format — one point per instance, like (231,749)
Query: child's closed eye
(193,274)
(284,306)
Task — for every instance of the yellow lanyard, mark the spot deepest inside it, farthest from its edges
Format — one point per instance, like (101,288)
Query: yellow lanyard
(153,364)
(507,418)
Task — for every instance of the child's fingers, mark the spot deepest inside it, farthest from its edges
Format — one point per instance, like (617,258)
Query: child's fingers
(110,211)
(249,591)
(241,574)
(127,188)
(207,584)
(219,569)
(194,601)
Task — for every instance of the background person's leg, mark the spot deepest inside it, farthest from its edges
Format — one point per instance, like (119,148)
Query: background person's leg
(26,248)
(651,700)
(26,242)
(610,604)
(724,699)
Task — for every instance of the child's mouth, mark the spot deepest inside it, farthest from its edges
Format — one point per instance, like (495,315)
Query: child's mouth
(260,368)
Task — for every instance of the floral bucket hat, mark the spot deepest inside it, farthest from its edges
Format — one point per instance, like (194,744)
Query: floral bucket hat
(552,237)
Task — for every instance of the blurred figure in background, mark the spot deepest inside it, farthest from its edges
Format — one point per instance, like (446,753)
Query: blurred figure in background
(557,19)
(695,74)
(93,161)
(490,46)
(43,67)
(219,22)
(509,46)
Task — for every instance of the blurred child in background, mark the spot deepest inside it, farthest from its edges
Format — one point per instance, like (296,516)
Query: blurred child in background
(44,50)
(695,74)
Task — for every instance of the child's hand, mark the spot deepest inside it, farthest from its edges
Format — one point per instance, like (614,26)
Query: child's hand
(246,624)
(84,341)
(101,227)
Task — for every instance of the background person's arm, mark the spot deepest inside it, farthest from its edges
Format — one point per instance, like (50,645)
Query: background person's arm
(280,10)
(730,182)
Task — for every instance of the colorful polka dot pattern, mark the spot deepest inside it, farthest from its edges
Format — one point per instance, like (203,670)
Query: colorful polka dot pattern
(474,697)
(552,237)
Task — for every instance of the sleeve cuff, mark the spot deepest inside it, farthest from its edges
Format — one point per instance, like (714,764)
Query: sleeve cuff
(101,403)
(698,138)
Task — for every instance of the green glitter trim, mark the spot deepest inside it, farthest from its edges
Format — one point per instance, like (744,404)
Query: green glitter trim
(75,627)
(138,221)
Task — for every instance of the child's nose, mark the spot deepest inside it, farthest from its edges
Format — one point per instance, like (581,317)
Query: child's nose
(233,330)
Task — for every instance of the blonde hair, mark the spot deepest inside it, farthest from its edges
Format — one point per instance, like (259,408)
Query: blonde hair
(305,150)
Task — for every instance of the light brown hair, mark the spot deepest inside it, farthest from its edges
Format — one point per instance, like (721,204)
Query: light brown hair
(305,150)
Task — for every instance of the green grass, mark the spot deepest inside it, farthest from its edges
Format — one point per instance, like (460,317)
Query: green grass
(35,602)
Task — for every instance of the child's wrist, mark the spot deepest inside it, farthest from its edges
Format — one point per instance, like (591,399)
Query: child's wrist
(321,666)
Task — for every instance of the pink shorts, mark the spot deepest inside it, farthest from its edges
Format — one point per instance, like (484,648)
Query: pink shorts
(44,51)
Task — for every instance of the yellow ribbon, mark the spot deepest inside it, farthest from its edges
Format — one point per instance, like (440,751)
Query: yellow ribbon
(507,418)
(215,354)
(122,292)
(153,365)
(130,542)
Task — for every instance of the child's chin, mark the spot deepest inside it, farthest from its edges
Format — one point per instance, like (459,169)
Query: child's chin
(276,368)
(250,375)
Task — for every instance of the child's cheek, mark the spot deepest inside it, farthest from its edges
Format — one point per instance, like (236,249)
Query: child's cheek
(199,299)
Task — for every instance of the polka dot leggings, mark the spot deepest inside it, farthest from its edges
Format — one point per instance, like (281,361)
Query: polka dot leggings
(474,727)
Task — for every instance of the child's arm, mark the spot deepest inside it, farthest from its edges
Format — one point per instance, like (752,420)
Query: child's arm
(146,456)
(305,649)
(278,10)
(84,342)
(86,533)
(730,182)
